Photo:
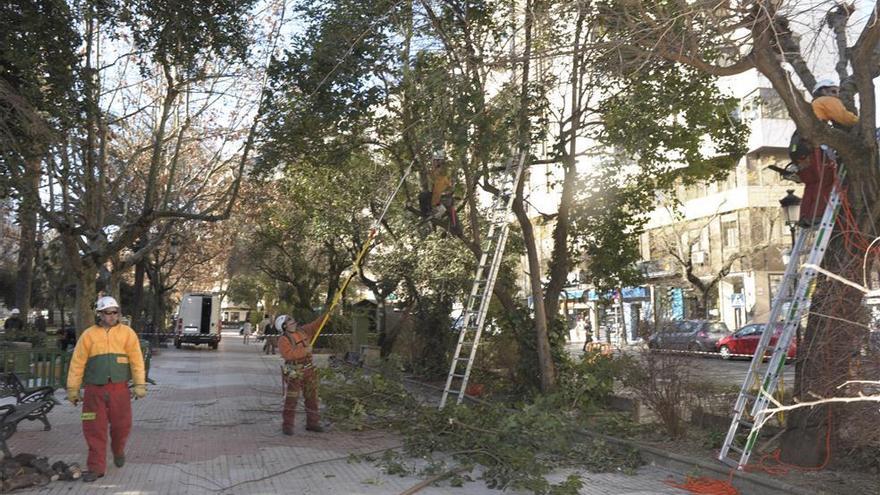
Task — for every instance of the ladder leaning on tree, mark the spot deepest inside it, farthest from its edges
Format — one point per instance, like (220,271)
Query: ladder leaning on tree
(790,305)
(484,282)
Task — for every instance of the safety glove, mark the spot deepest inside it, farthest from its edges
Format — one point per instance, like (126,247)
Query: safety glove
(73,396)
(139,391)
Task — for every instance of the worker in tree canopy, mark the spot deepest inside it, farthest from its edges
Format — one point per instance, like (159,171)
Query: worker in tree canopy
(816,171)
(106,357)
(440,181)
(828,107)
(430,202)
(298,372)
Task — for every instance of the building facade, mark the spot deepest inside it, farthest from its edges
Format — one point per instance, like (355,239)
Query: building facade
(729,236)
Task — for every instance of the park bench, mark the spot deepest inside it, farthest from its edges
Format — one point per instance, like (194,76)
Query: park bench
(30,404)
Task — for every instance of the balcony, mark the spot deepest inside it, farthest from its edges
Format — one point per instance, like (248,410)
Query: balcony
(768,133)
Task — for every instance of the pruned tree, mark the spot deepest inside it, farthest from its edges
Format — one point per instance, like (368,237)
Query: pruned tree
(150,147)
(732,38)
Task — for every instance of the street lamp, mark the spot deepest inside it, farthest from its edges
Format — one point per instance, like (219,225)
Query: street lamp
(791,210)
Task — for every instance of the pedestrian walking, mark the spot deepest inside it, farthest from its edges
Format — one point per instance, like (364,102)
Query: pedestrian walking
(265,324)
(271,333)
(13,322)
(588,334)
(105,358)
(246,332)
(298,372)
(40,323)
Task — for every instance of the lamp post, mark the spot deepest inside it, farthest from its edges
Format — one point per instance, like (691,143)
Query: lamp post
(791,211)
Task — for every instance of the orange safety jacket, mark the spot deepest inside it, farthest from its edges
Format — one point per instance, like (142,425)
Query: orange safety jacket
(294,346)
(831,108)
(104,355)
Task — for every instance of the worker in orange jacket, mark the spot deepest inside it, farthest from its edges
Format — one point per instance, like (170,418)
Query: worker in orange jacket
(105,358)
(298,372)
(817,172)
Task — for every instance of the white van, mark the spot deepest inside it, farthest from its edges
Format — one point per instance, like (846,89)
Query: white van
(198,320)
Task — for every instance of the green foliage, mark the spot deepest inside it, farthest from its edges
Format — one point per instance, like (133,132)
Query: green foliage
(183,34)
(324,90)
(664,115)
(517,447)
(587,382)
(39,79)
(607,220)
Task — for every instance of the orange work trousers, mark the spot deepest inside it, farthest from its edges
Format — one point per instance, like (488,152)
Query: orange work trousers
(103,406)
(306,382)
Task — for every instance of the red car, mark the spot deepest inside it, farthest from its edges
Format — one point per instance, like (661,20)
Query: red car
(745,341)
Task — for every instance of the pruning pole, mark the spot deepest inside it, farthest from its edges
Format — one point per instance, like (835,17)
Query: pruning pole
(355,267)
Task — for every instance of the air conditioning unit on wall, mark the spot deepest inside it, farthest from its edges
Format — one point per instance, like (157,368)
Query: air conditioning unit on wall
(698,257)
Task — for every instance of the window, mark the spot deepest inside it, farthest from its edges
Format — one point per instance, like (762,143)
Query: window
(764,103)
(730,232)
(717,328)
(774,279)
(772,106)
(645,245)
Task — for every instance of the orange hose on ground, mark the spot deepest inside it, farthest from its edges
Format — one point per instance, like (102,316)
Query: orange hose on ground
(781,468)
(705,486)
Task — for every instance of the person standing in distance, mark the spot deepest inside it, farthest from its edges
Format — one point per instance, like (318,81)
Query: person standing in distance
(105,358)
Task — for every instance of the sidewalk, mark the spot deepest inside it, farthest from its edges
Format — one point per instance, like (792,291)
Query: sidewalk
(213,422)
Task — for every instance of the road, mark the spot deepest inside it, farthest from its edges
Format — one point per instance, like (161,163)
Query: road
(707,367)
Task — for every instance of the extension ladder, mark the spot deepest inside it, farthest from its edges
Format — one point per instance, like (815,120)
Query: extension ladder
(795,291)
(484,282)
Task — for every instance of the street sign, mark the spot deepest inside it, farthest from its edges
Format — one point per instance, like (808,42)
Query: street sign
(738,300)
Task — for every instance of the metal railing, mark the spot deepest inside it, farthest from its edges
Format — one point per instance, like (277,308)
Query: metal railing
(47,367)
(40,367)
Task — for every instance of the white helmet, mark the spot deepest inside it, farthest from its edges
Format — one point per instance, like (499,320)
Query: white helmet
(15,311)
(823,83)
(106,302)
(280,321)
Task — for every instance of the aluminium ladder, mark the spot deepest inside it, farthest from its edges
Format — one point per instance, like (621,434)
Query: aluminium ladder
(796,291)
(484,282)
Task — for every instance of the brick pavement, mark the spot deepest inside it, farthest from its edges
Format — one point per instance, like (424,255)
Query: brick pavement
(212,425)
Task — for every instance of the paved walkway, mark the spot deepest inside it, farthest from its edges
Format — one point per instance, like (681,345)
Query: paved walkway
(212,425)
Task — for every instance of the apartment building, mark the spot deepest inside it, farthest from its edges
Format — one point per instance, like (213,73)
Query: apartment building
(730,235)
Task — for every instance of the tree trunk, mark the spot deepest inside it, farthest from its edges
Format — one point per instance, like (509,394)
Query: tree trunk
(85,297)
(560,261)
(827,354)
(114,282)
(137,305)
(27,217)
(545,359)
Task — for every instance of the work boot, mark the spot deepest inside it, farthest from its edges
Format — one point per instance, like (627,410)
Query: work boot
(316,428)
(90,476)
(287,431)
(119,460)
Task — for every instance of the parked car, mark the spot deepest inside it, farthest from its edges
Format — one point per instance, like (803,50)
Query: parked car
(690,335)
(745,341)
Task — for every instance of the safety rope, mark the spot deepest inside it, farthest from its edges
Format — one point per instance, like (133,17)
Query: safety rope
(355,267)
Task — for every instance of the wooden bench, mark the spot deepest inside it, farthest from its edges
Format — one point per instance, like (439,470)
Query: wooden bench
(30,404)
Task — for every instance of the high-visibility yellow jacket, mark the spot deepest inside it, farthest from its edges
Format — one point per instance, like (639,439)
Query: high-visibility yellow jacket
(104,355)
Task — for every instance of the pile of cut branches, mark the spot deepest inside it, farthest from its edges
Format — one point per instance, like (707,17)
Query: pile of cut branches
(515,448)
